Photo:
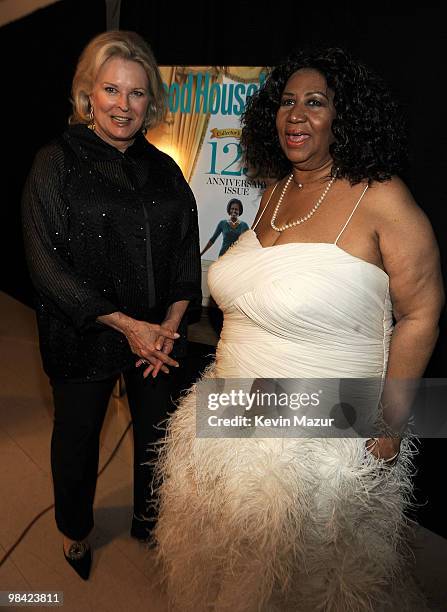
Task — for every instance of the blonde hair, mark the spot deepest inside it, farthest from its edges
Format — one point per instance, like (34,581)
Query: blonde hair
(125,45)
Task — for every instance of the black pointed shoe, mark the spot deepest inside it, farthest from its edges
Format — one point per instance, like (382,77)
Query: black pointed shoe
(80,558)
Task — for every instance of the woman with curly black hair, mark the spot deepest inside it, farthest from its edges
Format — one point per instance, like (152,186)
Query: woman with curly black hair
(368,132)
(338,279)
(230,230)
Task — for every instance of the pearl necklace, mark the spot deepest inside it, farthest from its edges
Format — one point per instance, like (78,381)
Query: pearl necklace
(309,214)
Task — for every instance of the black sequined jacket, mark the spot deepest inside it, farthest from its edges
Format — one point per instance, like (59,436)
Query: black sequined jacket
(105,231)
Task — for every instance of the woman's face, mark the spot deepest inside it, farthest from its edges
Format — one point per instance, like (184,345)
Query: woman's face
(304,119)
(119,99)
(234,212)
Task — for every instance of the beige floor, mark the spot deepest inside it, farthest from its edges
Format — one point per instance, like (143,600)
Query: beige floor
(123,577)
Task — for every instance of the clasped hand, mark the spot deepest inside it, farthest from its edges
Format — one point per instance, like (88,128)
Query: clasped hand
(153,344)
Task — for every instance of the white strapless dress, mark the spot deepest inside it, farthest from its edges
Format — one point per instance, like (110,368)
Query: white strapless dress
(288,524)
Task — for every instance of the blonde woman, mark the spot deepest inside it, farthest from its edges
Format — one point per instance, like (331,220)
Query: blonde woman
(110,228)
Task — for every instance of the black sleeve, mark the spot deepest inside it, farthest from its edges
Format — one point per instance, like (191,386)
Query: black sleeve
(188,276)
(45,221)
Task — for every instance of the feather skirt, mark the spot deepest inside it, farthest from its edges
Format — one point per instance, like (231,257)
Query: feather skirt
(278,525)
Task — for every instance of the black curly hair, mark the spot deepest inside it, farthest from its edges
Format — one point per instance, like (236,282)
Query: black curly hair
(235,201)
(369,129)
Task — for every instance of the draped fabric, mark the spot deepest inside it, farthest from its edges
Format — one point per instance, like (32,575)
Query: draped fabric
(284,296)
(182,133)
(288,524)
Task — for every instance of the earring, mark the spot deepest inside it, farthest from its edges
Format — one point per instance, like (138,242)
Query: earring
(91,125)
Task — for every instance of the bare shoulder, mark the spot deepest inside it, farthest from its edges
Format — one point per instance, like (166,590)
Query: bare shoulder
(394,205)
(407,245)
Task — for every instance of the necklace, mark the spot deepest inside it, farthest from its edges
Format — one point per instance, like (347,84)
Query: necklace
(309,214)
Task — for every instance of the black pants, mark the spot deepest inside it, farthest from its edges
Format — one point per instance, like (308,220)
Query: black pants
(79,411)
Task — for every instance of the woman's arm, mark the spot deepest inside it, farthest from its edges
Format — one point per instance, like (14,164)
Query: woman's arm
(213,238)
(45,222)
(410,257)
(208,245)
